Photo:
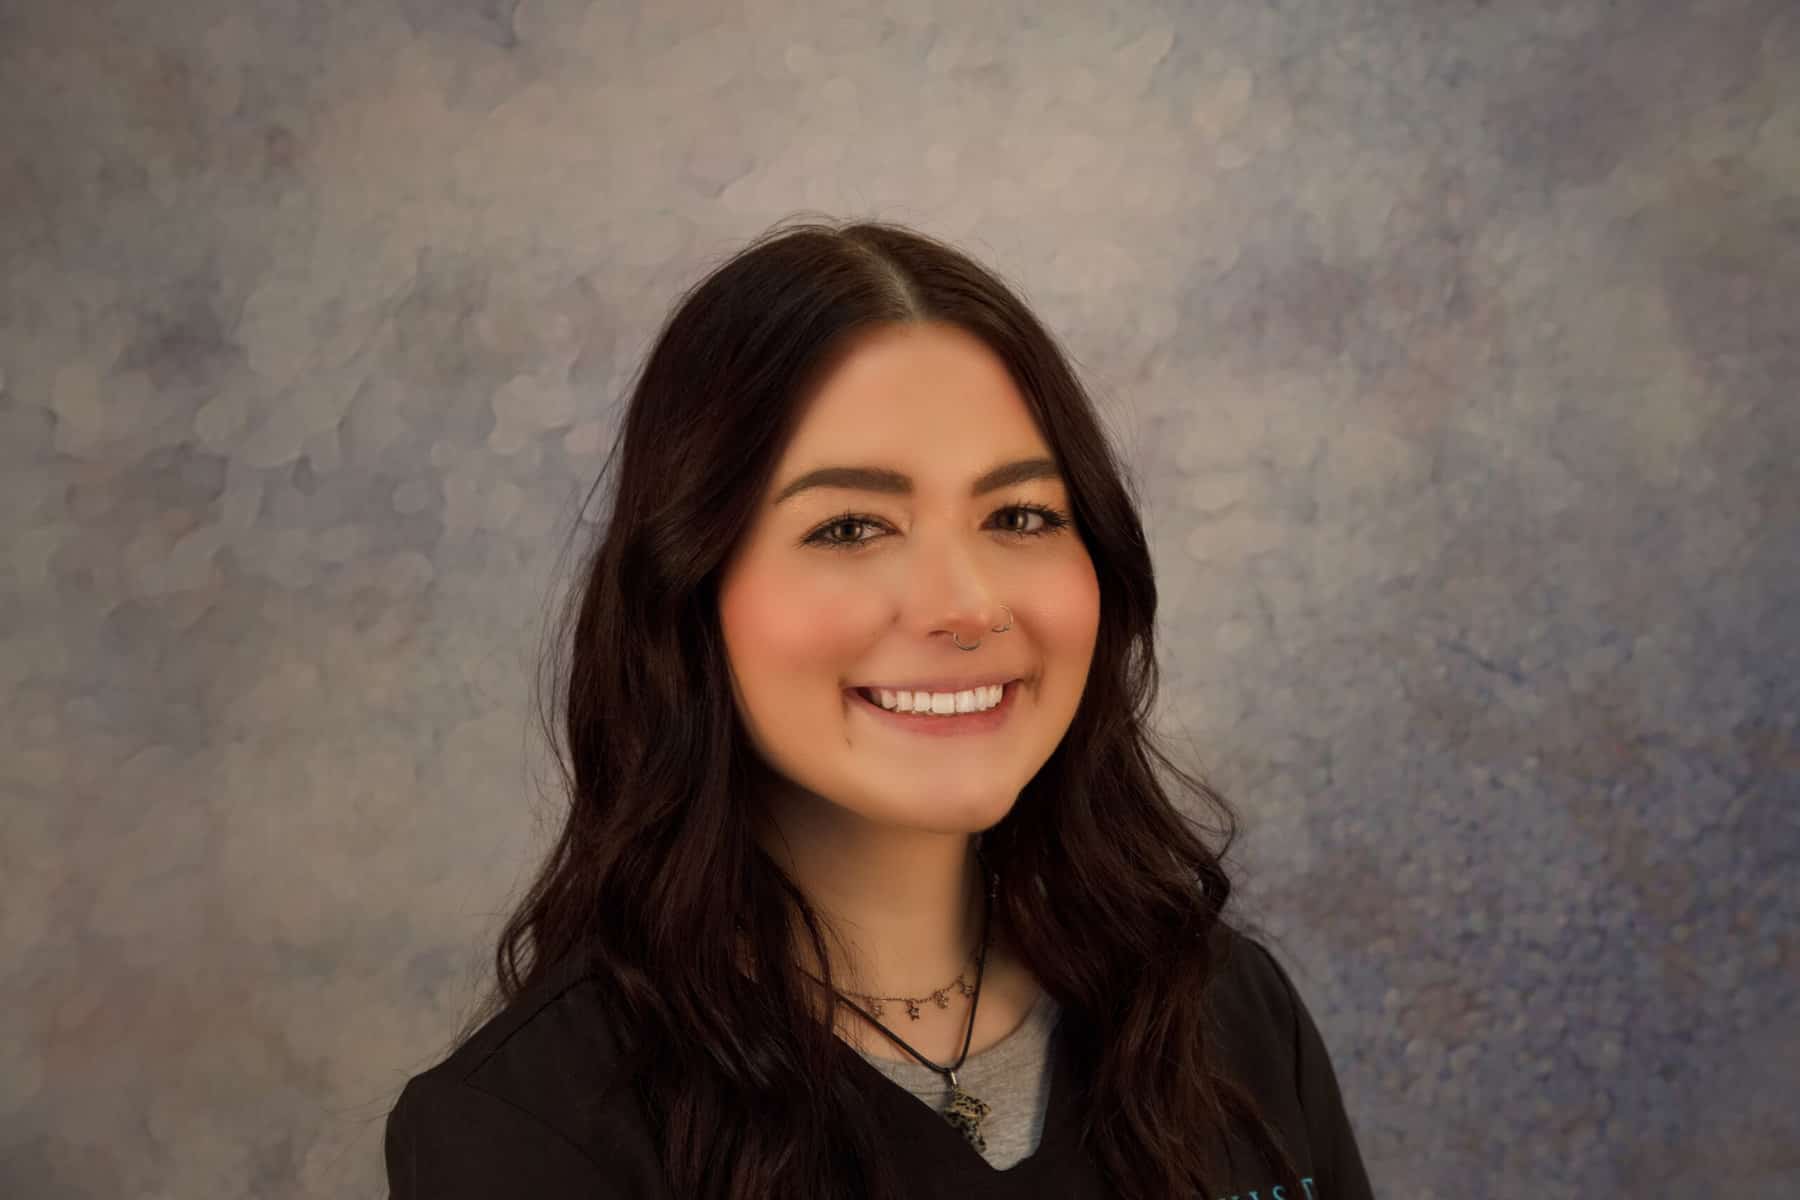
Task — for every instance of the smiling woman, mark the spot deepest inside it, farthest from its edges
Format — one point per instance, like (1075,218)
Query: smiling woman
(802,621)
(868,885)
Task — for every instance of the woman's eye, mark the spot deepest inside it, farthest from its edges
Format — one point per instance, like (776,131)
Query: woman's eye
(1051,521)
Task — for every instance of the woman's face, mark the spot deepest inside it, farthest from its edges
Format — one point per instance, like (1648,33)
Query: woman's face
(806,621)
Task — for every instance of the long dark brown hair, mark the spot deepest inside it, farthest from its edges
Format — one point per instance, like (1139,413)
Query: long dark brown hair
(656,875)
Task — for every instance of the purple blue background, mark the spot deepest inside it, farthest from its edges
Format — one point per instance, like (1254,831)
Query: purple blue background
(1453,346)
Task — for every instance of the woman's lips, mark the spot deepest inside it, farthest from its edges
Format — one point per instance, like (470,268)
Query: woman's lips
(960,723)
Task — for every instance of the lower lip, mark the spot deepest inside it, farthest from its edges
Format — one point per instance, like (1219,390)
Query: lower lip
(979,722)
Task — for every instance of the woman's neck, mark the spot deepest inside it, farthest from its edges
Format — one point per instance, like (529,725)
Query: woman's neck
(906,905)
(906,922)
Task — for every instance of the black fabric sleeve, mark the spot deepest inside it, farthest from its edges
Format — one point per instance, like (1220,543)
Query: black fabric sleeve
(448,1140)
(1337,1158)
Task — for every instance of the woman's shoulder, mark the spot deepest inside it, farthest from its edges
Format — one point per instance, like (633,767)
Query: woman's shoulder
(1251,998)
(1245,966)
(550,1053)
(1271,1044)
(534,1102)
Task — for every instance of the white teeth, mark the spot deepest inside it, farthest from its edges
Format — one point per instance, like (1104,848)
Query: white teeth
(941,703)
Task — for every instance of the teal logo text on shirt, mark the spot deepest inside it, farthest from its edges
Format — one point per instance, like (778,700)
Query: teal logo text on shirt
(1277,1192)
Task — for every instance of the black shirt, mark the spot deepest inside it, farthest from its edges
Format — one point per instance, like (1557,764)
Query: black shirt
(528,1107)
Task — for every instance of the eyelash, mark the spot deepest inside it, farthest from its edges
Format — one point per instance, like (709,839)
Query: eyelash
(1055,521)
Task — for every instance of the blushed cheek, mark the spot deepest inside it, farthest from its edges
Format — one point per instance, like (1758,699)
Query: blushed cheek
(787,644)
(1066,619)
(1069,606)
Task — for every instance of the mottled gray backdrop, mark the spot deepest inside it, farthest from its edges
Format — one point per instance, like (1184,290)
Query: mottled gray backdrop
(1453,344)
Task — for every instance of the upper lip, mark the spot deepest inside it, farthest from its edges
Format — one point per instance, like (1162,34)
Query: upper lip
(940,685)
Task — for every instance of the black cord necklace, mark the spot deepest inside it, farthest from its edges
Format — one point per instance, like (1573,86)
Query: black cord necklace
(964,1111)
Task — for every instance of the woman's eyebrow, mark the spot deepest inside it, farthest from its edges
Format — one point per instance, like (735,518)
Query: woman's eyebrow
(883,479)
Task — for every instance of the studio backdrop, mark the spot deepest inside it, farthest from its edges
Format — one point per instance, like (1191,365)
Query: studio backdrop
(1452,347)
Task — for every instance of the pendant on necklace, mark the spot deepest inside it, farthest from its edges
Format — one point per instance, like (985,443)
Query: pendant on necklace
(967,1113)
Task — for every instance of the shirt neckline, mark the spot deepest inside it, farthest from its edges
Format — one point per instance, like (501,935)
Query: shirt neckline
(919,1128)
